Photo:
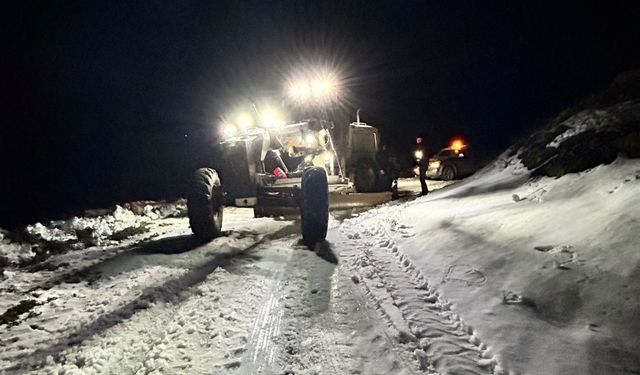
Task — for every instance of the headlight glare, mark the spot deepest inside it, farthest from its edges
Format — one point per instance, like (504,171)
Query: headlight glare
(229,130)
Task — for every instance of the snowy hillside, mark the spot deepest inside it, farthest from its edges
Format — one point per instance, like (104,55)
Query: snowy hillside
(592,133)
(545,271)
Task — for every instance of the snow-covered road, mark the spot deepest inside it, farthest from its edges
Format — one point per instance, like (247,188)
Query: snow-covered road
(253,302)
(498,274)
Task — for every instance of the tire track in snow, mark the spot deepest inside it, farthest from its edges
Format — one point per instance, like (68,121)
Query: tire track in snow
(313,321)
(187,308)
(261,354)
(442,342)
(203,333)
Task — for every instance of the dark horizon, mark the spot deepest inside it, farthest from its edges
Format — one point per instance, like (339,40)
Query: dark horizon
(112,101)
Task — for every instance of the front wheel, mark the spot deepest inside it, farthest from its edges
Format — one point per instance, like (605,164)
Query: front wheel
(314,206)
(204,204)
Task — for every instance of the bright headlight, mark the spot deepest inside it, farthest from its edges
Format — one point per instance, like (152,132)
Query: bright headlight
(271,118)
(419,155)
(299,91)
(229,130)
(314,86)
(324,88)
(244,121)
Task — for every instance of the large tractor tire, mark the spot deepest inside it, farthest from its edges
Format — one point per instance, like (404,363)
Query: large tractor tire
(204,204)
(314,206)
(366,176)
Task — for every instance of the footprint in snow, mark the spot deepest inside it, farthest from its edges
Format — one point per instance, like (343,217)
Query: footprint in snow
(513,298)
(563,255)
(464,273)
(630,178)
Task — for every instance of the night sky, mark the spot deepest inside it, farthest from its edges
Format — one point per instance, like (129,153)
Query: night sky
(114,101)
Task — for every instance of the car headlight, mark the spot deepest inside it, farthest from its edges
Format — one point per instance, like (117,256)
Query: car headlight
(418,154)
(434,164)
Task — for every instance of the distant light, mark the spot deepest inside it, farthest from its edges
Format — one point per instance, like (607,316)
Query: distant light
(419,155)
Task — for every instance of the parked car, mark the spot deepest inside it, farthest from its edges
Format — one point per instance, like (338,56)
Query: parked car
(453,162)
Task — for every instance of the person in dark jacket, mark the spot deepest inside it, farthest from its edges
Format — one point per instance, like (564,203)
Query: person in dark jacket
(422,158)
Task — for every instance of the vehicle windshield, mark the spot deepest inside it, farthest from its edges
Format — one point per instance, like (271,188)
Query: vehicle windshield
(446,153)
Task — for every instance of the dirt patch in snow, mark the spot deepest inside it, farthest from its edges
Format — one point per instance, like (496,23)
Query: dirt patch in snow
(12,316)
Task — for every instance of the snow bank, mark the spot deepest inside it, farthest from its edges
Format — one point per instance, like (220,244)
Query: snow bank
(13,252)
(546,271)
(90,230)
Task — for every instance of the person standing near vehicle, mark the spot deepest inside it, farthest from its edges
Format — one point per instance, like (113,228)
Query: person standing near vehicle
(422,158)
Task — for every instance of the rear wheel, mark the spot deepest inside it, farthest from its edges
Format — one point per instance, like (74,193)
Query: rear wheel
(448,173)
(366,178)
(384,181)
(314,206)
(204,204)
